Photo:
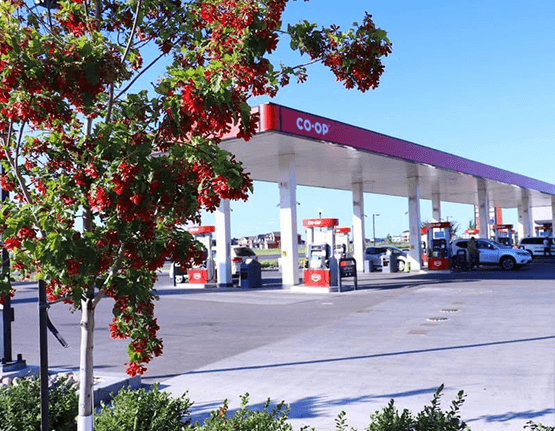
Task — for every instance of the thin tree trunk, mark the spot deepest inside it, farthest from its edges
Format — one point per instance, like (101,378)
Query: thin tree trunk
(86,394)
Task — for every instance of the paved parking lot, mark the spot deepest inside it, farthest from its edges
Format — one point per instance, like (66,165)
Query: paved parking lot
(490,333)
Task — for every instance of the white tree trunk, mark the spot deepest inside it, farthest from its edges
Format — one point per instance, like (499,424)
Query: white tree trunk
(86,394)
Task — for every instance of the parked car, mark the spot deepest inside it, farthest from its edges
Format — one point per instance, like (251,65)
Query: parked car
(374,254)
(493,253)
(534,245)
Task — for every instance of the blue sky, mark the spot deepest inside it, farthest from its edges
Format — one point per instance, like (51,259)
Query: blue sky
(472,78)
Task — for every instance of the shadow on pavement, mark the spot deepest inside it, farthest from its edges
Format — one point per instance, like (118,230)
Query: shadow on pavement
(528,414)
(376,355)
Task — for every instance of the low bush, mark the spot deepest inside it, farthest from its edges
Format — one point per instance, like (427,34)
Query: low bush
(431,418)
(246,419)
(538,427)
(269,263)
(142,410)
(20,405)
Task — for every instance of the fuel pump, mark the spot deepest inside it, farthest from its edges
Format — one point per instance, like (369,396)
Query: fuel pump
(342,242)
(439,251)
(424,244)
(322,268)
(204,273)
(546,229)
(504,234)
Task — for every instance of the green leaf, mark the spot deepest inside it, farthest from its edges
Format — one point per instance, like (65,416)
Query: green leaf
(91,73)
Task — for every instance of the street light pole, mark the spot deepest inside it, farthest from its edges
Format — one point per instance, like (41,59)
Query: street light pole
(374,228)
(7,314)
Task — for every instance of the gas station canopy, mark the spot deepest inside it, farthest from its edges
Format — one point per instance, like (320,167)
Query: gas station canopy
(335,155)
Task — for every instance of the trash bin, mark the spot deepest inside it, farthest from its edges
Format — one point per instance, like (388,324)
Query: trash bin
(250,275)
(368,266)
(393,263)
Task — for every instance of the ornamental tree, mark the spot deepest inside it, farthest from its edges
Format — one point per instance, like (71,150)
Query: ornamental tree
(103,172)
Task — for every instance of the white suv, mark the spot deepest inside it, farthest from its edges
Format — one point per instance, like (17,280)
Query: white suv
(534,245)
(493,253)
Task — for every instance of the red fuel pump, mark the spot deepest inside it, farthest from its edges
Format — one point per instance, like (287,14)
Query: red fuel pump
(204,273)
(504,234)
(342,242)
(439,250)
(322,267)
(424,244)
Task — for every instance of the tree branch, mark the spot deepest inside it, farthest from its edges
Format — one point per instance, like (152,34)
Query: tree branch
(131,35)
(114,268)
(22,185)
(123,58)
(152,63)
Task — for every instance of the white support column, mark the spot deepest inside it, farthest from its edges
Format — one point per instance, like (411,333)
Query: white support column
(552,215)
(483,208)
(223,244)
(436,207)
(415,252)
(525,224)
(288,220)
(359,242)
(520,226)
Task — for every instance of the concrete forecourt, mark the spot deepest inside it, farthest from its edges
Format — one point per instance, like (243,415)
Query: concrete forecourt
(490,333)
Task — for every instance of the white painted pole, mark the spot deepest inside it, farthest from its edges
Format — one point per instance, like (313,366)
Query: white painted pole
(288,220)
(525,225)
(223,244)
(359,242)
(436,207)
(483,208)
(415,252)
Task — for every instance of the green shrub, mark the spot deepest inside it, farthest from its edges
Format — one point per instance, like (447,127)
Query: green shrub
(431,418)
(20,405)
(538,427)
(245,419)
(142,410)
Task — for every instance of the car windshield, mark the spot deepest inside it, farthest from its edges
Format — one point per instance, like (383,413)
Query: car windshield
(498,244)
(502,245)
(487,244)
(244,251)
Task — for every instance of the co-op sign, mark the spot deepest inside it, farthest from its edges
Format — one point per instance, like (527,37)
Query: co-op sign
(309,126)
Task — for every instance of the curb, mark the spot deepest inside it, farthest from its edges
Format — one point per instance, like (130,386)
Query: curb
(105,384)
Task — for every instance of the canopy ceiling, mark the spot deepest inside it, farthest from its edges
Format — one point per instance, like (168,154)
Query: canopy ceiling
(335,155)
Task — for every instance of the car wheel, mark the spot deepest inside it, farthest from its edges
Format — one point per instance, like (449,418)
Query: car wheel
(508,263)
(401,266)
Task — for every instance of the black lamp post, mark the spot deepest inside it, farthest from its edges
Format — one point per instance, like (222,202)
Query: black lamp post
(7,363)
